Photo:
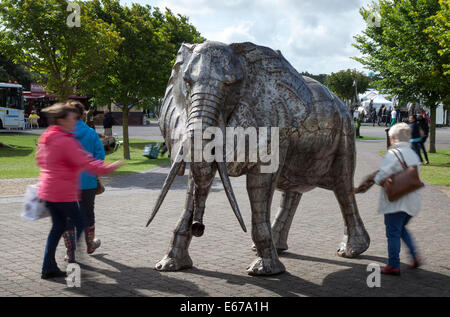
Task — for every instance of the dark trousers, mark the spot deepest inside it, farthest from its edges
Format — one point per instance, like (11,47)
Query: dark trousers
(87,205)
(422,147)
(60,213)
(416,146)
(396,230)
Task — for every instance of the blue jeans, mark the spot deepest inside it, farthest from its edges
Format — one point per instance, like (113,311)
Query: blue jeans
(60,212)
(416,146)
(396,230)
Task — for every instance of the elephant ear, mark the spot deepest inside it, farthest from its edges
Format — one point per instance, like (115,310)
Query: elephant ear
(183,56)
(172,117)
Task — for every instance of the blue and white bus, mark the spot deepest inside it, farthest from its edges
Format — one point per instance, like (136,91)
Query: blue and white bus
(11,106)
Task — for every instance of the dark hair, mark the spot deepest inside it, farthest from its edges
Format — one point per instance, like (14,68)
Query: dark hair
(78,106)
(59,111)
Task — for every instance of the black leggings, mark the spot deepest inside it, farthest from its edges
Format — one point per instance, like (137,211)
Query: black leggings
(422,147)
(416,147)
(87,205)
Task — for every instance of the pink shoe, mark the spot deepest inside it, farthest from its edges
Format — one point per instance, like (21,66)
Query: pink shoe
(389,270)
(415,263)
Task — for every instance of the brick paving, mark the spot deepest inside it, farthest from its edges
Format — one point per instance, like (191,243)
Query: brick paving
(123,266)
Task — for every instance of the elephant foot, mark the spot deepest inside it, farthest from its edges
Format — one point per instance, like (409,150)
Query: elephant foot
(174,264)
(354,245)
(266,266)
(280,248)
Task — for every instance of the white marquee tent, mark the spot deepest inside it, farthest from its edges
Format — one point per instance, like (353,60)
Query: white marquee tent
(378,101)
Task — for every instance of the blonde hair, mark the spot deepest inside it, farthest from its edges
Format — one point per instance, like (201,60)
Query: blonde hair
(400,131)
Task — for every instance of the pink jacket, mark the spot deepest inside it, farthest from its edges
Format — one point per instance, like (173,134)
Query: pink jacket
(62,159)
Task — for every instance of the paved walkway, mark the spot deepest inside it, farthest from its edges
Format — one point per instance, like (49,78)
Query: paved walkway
(123,266)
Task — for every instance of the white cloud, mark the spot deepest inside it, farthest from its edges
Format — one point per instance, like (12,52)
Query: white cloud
(314,35)
(238,33)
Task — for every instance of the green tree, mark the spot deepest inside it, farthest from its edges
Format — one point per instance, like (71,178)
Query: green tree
(405,56)
(320,78)
(343,83)
(440,32)
(36,34)
(13,72)
(139,73)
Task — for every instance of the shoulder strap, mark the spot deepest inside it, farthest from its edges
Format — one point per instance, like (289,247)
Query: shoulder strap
(401,162)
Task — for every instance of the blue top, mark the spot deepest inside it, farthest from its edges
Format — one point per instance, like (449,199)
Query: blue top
(90,141)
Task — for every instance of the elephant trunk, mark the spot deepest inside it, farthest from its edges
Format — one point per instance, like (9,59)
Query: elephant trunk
(203,113)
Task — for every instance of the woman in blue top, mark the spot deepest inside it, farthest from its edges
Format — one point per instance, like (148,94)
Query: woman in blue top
(90,141)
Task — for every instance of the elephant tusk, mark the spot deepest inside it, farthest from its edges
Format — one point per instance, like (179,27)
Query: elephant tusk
(230,194)
(167,183)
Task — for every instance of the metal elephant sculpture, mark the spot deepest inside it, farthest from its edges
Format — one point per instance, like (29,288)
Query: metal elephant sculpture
(246,85)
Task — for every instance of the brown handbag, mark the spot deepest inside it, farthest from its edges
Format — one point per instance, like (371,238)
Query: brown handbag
(100,187)
(404,182)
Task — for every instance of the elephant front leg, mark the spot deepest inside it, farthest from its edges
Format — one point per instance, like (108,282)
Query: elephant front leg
(178,257)
(260,188)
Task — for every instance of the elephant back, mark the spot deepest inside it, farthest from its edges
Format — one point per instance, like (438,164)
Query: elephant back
(273,86)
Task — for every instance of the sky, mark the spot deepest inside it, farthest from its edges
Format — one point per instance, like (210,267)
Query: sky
(314,35)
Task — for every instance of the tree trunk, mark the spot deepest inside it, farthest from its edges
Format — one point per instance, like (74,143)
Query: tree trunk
(126,140)
(432,148)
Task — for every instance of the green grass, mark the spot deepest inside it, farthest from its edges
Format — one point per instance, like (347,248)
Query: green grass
(438,171)
(21,163)
(138,163)
(370,138)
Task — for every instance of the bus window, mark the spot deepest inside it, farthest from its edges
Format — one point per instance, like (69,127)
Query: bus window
(3,94)
(11,98)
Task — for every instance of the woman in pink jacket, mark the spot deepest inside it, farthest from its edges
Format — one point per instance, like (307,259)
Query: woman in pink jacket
(61,159)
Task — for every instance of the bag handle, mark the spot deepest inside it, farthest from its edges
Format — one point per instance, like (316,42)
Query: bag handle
(401,162)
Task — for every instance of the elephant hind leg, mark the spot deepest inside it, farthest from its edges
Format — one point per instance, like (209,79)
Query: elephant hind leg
(356,239)
(283,219)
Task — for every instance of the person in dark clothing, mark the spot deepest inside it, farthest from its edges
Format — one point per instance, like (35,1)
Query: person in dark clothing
(416,137)
(388,117)
(380,114)
(108,121)
(89,117)
(374,116)
(423,124)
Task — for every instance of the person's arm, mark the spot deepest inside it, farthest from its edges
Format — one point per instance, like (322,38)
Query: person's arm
(78,157)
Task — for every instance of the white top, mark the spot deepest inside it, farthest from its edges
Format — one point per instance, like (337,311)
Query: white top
(409,203)
(394,115)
